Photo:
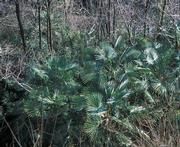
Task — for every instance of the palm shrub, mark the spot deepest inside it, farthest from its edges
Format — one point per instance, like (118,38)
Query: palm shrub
(107,96)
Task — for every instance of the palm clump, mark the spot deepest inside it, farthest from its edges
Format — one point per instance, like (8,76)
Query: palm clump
(111,95)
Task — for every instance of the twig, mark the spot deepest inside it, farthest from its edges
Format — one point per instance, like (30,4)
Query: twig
(15,138)
(25,86)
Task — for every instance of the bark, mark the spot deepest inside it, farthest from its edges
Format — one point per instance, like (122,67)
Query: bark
(39,23)
(163,8)
(49,26)
(145,13)
(18,15)
(109,19)
(163,12)
(114,18)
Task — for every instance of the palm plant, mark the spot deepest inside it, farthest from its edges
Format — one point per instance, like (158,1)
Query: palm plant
(112,92)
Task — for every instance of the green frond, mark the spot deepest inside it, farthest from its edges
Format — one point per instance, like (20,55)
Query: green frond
(151,55)
(125,124)
(159,88)
(41,73)
(118,41)
(94,102)
(124,140)
(92,127)
(78,102)
(133,54)
(149,97)
(105,52)
(136,109)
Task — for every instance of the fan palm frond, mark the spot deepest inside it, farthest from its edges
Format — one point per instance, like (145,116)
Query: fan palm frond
(94,102)
(159,88)
(151,55)
(92,127)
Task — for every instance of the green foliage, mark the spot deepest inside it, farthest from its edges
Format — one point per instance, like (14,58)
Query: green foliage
(111,88)
(104,92)
(83,92)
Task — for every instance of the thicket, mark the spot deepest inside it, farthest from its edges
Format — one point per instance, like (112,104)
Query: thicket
(87,73)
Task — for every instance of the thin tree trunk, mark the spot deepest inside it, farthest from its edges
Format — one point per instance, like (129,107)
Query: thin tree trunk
(114,18)
(49,26)
(42,125)
(164,3)
(100,20)
(47,23)
(177,40)
(39,23)
(65,11)
(145,13)
(109,19)
(163,12)
(18,15)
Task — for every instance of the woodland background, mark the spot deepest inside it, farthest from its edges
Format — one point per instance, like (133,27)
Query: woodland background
(89,73)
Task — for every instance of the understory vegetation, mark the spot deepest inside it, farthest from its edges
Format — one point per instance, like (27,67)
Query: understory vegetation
(87,73)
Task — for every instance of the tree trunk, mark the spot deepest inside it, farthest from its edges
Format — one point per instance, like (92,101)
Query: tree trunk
(50,26)
(39,22)
(163,8)
(18,15)
(145,13)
